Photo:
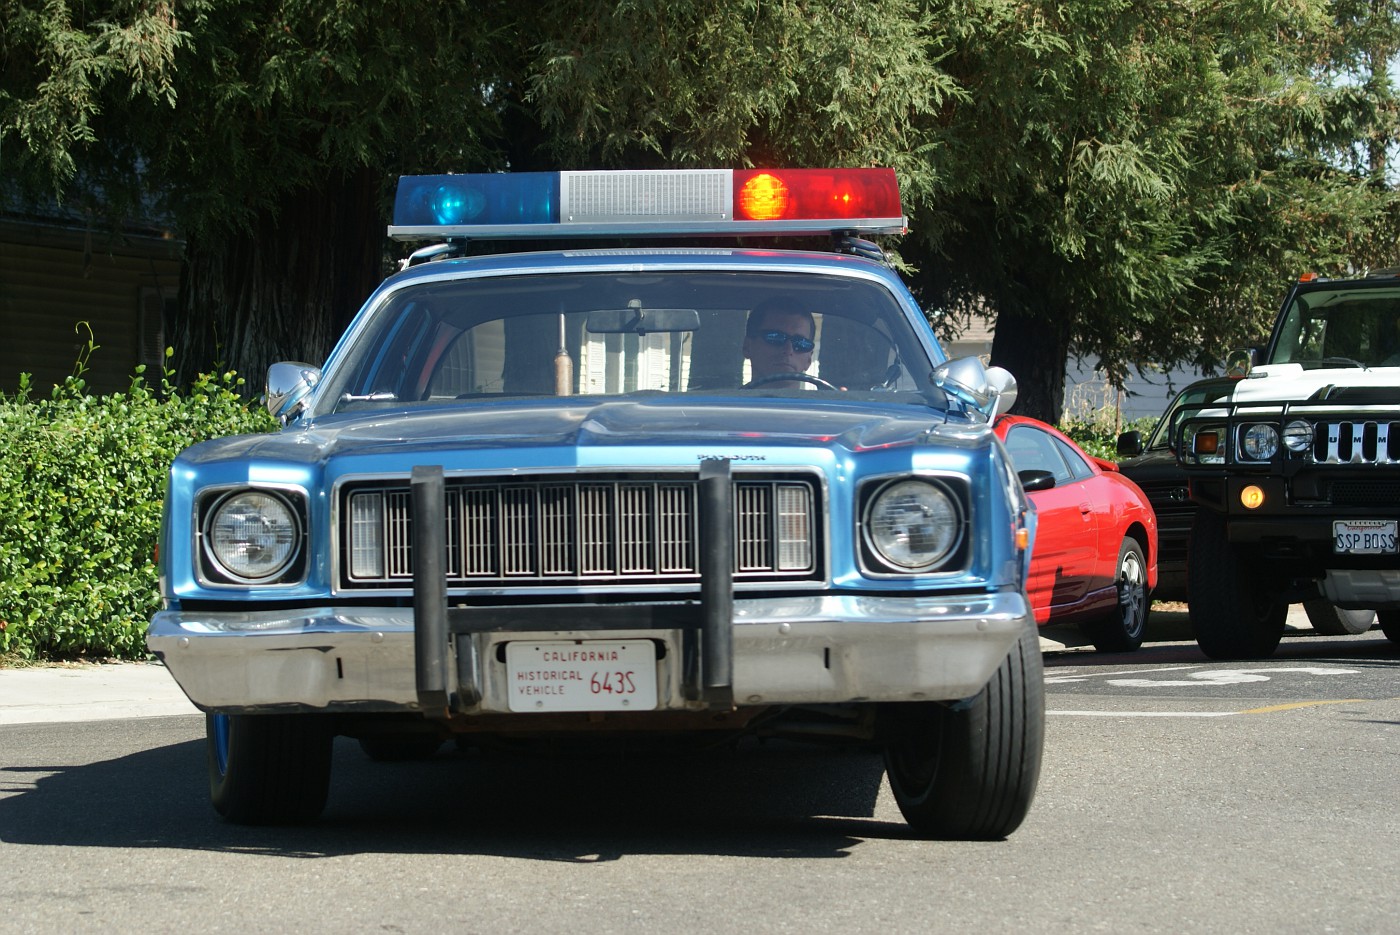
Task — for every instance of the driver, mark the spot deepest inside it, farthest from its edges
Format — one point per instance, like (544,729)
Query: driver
(778,339)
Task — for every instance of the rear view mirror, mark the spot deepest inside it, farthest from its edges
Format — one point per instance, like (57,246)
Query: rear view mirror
(642,320)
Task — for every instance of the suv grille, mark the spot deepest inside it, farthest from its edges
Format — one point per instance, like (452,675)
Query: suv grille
(1365,492)
(578,532)
(1356,443)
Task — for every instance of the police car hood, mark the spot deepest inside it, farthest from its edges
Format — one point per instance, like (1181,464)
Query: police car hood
(1291,382)
(709,427)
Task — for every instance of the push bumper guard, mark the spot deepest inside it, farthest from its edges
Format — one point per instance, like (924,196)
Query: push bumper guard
(707,644)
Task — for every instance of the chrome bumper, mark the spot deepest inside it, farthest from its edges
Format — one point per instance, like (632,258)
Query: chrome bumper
(786,650)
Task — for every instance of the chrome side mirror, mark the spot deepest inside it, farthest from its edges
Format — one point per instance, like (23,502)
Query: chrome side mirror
(1239,362)
(989,390)
(288,384)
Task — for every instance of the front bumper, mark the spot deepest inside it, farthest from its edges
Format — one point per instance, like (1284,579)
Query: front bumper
(785,650)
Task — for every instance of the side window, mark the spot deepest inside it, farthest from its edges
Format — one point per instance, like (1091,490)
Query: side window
(1077,465)
(1033,450)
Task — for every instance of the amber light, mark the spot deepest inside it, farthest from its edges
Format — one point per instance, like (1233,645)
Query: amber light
(1251,497)
(764,197)
(1206,443)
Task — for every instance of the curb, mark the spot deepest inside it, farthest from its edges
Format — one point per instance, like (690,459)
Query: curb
(89,692)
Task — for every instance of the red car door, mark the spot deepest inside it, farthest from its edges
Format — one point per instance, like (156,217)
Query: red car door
(1066,539)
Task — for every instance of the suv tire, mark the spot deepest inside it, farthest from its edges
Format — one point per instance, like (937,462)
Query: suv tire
(1330,620)
(1234,608)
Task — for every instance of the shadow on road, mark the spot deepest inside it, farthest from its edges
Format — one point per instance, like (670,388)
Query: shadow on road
(758,801)
(1170,639)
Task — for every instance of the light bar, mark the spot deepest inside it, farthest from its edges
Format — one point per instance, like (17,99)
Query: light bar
(660,202)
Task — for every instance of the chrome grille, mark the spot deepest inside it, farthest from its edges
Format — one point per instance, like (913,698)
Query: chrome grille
(578,531)
(1356,442)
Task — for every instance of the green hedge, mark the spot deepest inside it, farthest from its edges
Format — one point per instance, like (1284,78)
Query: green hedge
(82,479)
(1101,439)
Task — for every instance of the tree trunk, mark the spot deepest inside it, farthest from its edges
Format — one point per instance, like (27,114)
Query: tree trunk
(283,291)
(1034,345)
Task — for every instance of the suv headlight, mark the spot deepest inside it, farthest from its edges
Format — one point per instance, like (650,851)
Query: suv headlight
(252,535)
(913,525)
(1260,442)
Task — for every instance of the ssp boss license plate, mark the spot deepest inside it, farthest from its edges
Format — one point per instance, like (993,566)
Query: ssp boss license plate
(1363,536)
(591,675)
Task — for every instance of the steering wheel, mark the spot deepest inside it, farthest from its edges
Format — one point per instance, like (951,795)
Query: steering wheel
(783,377)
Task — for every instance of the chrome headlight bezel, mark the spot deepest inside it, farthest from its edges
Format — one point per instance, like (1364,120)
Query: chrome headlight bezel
(895,543)
(252,536)
(1298,436)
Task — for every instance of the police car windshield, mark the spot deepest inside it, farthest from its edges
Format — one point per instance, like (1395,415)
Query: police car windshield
(607,333)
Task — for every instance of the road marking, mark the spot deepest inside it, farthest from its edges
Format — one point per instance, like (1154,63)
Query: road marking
(1226,677)
(1067,679)
(1302,704)
(1147,713)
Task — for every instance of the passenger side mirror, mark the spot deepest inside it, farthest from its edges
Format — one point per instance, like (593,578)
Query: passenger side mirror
(989,390)
(1130,444)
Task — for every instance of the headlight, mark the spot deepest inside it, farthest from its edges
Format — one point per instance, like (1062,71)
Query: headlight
(913,525)
(1260,442)
(252,535)
(1298,436)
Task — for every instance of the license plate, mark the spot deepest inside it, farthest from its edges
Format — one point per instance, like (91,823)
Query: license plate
(591,675)
(1363,536)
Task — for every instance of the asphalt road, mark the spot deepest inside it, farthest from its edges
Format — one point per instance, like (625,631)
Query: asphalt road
(1178,795)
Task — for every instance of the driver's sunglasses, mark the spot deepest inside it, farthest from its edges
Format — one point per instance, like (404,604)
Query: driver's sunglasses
(800,344)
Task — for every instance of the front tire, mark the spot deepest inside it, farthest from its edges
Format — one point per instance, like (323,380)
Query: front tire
(1330,620)
(1122,630)
(1233,609)
(968,770)
(267,769)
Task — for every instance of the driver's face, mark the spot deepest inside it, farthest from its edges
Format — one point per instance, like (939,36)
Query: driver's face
(765,358)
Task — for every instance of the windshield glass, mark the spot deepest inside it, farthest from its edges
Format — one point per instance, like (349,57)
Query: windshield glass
(1347,327)
(589,334)
(1187,403)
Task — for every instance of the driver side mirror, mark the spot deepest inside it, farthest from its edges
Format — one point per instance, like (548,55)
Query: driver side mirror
(288,385)
(1033,479)
(1239,362)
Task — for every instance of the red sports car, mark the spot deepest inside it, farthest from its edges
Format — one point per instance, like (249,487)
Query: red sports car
(1094,559)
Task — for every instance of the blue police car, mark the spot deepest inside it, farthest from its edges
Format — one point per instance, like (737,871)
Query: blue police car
(674,489)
